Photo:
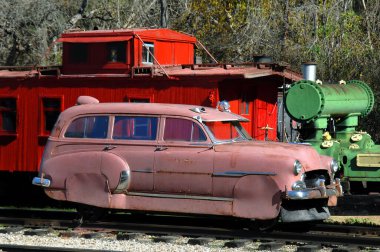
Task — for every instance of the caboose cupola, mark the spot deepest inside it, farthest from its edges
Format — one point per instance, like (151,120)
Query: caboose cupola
(120,51)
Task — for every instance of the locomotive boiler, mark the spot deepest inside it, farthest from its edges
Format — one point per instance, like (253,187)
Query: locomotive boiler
(328,115)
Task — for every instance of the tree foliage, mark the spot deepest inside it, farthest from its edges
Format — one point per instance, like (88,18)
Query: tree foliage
(341,36)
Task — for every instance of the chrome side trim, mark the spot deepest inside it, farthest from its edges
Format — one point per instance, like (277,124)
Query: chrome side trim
(201,145)
(241,174)
(178,196)
(38,181)
(144,170)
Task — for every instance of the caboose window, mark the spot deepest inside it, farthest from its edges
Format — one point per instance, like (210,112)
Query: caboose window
(116,52)
(147,52)
(78,53)
(137,100)
(88,127)
(50,110)
(8,112)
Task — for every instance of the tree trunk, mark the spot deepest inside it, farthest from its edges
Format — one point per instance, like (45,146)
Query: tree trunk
(368,25)
(79,15)
(164,13)
(286,25)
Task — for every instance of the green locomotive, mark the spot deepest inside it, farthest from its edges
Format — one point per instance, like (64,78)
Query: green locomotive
(329,116)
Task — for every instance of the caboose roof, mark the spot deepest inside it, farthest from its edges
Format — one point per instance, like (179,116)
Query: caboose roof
(97,36)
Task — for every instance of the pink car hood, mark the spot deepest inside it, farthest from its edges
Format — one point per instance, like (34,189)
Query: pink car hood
(265,151)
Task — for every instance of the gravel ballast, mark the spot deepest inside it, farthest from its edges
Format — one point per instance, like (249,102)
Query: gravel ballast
(108,242)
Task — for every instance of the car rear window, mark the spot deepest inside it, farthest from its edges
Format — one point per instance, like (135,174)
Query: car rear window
(88,127)
(135,128)
(177,129)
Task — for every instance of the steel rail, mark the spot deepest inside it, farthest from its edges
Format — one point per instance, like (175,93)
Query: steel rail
(213,228)
(28,248)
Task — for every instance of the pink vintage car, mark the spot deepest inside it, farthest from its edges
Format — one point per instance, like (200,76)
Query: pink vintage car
(182,159)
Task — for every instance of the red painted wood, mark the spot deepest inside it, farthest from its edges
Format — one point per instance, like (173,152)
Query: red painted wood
(170,48)
(261,96)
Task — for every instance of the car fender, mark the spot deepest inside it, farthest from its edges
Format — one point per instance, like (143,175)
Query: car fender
(257,197)
(59,168)
(86,177)
(88,188)
(111,167)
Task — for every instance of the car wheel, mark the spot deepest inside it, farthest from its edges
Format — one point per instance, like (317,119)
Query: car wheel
(263,225)
(299,227)
(90,213)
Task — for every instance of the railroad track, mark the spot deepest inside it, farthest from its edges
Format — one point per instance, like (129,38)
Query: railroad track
(25,248)
(200,230)
(357,205)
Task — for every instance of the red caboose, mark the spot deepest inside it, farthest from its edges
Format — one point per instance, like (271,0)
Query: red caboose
(136,65)
(121,52)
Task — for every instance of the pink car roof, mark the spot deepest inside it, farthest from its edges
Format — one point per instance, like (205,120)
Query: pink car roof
(207,114)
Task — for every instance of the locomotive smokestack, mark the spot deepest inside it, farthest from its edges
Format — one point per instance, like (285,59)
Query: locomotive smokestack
(309,71)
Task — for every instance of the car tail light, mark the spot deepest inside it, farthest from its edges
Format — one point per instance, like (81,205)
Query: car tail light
(123,182)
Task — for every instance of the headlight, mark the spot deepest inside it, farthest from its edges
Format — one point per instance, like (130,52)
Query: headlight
(298,185)
(334,166)
(297,167)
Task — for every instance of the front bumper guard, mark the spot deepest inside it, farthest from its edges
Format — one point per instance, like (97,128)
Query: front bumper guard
(335,189)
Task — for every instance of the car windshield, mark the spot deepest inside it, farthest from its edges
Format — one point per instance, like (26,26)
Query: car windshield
(227,131)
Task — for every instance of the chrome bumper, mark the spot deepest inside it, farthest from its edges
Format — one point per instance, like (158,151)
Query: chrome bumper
(320,192)
(41,181)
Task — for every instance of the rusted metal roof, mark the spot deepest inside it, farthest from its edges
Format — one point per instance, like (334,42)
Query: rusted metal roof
(245,72)
(159,34)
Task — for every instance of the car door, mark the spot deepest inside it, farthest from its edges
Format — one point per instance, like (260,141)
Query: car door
(134,139)
(183,161)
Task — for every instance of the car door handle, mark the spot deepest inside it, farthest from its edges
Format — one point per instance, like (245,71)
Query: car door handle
(109,147)
(161,148)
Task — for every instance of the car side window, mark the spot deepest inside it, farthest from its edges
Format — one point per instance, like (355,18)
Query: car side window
(88,127)
(135,128)
(177,129)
